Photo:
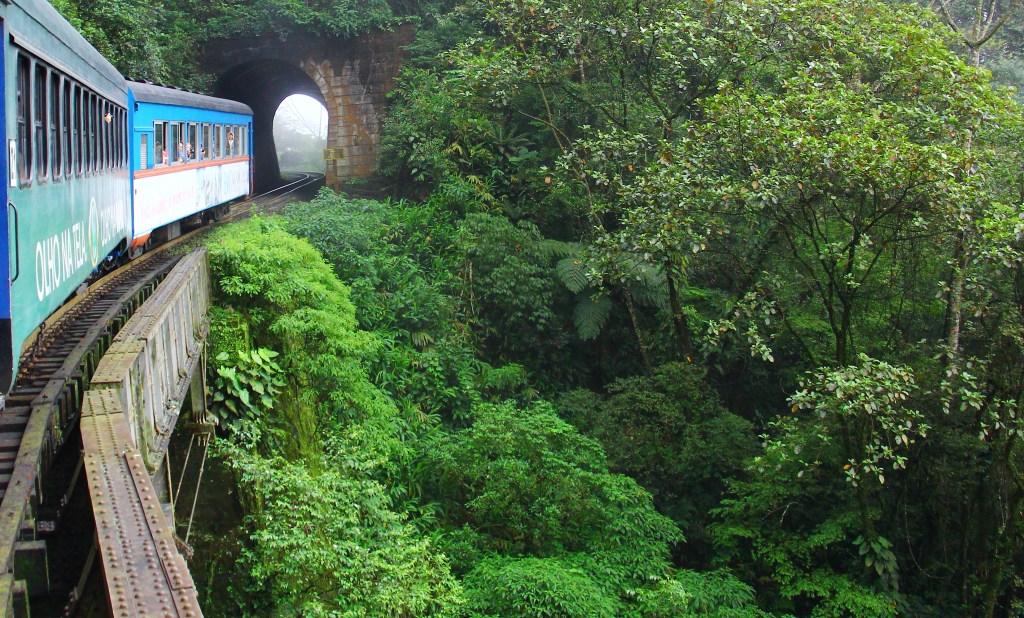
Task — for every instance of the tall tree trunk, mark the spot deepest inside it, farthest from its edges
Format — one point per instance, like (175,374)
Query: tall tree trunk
(955,302)
(644,352)
(678,321)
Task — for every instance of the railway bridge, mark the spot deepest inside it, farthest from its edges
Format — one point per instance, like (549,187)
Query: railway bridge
(351,77)
(88,528)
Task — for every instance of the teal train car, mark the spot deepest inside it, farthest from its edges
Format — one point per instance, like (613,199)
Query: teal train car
(67,163)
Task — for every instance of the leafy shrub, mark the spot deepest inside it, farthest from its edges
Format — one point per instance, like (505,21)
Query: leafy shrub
(329,544)
(671,433)
(529,483)
(536,587)
(245,390)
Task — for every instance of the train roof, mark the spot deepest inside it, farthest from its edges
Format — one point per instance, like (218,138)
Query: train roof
(152,93)
(40,29)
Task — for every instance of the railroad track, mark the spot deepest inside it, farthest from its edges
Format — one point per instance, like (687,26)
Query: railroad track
(41,413)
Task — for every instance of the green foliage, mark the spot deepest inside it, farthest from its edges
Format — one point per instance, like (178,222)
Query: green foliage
(813,454)
(137,39)
(866,399)
(536,587)
(692,594)
(519,304)
(329,545)
(245,390)
(285,18)
(531,483)
(671,433)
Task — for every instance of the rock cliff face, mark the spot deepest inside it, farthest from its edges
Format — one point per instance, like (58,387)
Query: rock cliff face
(350,77)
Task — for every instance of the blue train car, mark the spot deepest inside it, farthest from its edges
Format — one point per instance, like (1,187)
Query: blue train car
(66,163)
(190,156)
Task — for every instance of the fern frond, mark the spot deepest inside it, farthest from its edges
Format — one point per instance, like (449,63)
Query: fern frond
(590,316)
(550,249)
(572,272)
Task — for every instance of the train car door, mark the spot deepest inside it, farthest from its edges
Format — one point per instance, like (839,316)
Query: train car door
(10,262)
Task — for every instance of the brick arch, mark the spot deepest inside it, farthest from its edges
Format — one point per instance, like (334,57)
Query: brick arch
(352,77)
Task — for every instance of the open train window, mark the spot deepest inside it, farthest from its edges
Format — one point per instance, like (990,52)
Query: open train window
(218,141)
(177,142)
(192,148)
(107,121)
(24,113)
(40,134)
(206,143)
(160,156)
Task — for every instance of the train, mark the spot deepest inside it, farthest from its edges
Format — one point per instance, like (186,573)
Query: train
(97,167)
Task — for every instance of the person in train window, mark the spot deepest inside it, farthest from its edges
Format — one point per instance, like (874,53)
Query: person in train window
(188,151)
(165,156)
(181,151)
(231,143)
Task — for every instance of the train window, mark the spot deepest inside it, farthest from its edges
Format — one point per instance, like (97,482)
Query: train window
(125,136)
(108,125)
(55,141)
(94,141)
(160,143)
(192,147)
(95,129)
(230,141)
(24,111)
(87,130)
(119,134)
(218,141)
(65,127)
(143,151)
(41,134)
(205,143)
(177,143)
(76,127)
(101,134)
(115,137)
(107,119)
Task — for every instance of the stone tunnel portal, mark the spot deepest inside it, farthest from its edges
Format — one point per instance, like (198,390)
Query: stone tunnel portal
(263,85)
(350,77)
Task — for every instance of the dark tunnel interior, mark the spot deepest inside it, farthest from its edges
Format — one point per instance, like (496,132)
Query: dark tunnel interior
(263,85)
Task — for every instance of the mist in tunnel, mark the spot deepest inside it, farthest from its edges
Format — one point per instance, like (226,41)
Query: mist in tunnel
(300,134)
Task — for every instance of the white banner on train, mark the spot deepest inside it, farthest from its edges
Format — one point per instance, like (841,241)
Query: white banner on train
(165,198)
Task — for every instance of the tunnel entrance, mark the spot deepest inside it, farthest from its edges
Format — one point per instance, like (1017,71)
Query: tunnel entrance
(263,85)
(300,134)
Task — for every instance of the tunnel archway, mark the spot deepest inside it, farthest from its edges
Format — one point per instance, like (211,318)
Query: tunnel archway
(349,76)
(263,85)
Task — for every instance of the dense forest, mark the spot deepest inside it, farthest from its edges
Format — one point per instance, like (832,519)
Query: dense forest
(676,308)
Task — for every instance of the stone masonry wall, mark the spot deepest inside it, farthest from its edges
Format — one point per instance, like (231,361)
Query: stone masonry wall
(354,84)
